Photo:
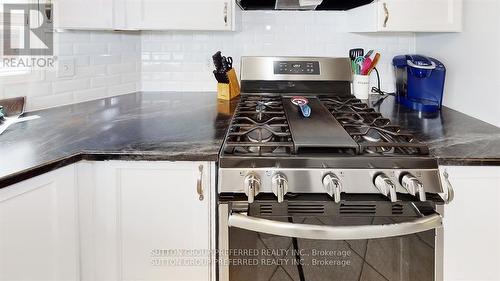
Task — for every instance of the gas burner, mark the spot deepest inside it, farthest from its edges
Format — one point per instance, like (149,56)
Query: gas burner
(259,128)
(374,133)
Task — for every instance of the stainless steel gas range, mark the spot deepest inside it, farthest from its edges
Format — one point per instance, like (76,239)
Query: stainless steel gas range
(340,193)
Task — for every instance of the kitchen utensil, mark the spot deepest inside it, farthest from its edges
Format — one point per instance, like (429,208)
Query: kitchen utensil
(357,64)
(374,63)
(354,53)
(369,54)
(230,62)
(225,64)
(302,102)
(366,65)
(217,59)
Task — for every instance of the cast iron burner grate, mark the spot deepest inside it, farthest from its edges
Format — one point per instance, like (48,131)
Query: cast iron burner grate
(374,133)
(259,128)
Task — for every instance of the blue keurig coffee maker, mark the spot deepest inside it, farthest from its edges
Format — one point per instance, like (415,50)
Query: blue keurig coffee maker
(419,82)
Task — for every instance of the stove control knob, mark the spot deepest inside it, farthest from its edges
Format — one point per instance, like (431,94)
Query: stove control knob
(413,186)
(279,186)
(252,186)
(385,185)
(332,185)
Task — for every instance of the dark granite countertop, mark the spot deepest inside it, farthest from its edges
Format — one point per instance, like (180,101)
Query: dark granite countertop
(456,139)
(190,126)
(186,126)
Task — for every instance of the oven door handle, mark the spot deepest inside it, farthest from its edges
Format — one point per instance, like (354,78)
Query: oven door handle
(322,232)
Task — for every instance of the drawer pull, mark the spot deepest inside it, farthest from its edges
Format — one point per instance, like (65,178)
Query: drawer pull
(199,184)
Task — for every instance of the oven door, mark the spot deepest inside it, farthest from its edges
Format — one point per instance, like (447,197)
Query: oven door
(319,241)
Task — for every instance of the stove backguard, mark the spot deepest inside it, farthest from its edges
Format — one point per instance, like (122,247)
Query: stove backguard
(296,75)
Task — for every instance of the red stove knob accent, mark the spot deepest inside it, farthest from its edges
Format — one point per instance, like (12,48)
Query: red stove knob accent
(252,186)
(385,185)
(413,185)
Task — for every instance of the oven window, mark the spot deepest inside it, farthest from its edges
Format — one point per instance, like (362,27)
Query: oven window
(257,257)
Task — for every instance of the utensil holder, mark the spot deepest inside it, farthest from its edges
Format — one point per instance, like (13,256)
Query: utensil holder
(230,90)
(361,86)
(223,91)
(234,85)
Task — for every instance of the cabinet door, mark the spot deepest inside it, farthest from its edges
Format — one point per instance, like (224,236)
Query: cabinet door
(419,15)
(472,225)
(38,228)
(145,214)
(83,14)
(180,14)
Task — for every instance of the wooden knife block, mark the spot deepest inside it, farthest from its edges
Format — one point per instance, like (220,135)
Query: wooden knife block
(231,90)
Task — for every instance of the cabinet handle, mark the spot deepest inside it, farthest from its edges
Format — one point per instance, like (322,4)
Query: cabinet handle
(225,12)
(386,12)
(449,193)
(48,10)
(199,184)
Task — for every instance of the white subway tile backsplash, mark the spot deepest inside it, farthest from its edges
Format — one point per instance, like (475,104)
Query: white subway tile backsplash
(70,85)
(262,33)
(49,101)
(110,63)
(90,48)
(105,81)
(103,59)
(123,89)
(91,94)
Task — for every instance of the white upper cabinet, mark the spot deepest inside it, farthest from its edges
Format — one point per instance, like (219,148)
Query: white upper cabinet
(84,14)
(407,16)
(145,14)
(180,14)
(39,228)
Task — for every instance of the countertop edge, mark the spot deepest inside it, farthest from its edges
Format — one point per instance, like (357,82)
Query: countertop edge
(99,156)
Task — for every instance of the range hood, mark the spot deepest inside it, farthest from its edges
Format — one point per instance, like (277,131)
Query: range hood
(333,5)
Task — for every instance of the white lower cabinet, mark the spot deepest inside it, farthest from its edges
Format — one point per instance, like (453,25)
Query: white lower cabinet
(145,220)
(39,228)
(472,225)
(111,220)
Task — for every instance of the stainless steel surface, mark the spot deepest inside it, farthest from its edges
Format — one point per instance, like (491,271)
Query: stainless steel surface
(307,180)
(333,186)
(223,243)
(439,249)
(199,184)
(262,68)
(386,186)
(292,5)
(321,130)
(413,185)
(321,232)
(279,185)
(252,186)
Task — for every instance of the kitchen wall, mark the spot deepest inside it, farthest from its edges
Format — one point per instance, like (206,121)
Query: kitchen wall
(106,64)
(182,60)
(473,81)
